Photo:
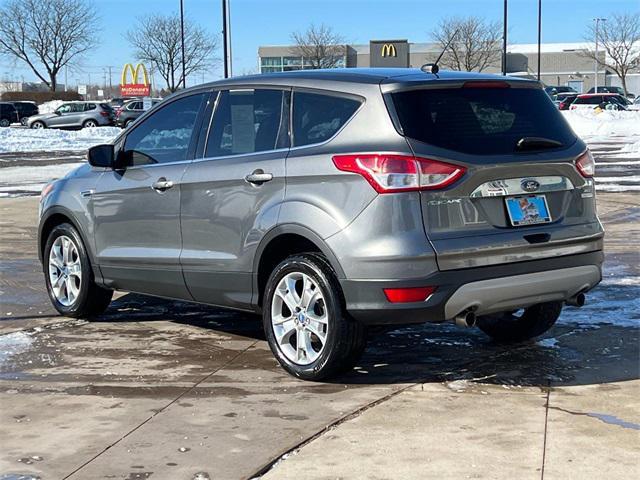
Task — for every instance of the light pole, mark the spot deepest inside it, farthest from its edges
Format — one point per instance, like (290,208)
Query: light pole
(504,40)
(184,68)
(225,39)
(539,35)
(595,61)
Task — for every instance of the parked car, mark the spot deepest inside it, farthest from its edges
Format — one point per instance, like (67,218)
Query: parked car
(609,101)
(8,114)
(75,115)
(25,110)
(132,110)
(564,100)
(611,89)
(118,102)
(552,90)
(332,200)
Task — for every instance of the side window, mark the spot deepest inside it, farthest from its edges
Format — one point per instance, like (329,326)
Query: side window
(247,121)
(166,135)
(317,117)
(66,108)
(89,106)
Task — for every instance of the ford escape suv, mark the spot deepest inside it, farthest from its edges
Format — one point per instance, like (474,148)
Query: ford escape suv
(329,201)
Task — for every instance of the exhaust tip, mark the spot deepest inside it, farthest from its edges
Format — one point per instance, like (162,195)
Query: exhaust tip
(577,300)
(466,319)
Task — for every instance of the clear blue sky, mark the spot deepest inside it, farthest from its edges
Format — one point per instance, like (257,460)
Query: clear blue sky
(270,22)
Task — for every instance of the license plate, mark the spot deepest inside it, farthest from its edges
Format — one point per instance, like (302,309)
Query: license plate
(528,210)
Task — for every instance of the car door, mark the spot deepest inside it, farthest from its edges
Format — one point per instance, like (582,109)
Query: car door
(231,196)
(61,116)
(137,205)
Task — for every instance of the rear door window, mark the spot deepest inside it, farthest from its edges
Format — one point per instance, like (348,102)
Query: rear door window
(482,121)
(318,117)
(248,121)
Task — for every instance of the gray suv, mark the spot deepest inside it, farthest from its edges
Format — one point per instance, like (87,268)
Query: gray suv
(75,115)
(330,201)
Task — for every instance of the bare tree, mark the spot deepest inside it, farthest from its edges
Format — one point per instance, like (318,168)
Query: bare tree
(47,35)
(156,39)
(474,44)
(619,39)
(320,46)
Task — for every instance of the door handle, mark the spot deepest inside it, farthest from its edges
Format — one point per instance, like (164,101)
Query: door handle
(259,177)
(162,184)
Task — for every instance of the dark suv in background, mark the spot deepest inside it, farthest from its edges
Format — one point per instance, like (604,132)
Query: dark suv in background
(332,200)
(25,110)
(8,114)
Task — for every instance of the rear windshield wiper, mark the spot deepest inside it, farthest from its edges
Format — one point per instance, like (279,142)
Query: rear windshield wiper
(536,143)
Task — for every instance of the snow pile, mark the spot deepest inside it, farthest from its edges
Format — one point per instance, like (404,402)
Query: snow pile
(588,123)
(49,107)
(14,140)
(632,148)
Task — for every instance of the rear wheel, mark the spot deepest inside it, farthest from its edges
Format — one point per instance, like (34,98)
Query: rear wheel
(89,124)
(68,275)
(305,320)
(4,122)
(127,123)
(508,327)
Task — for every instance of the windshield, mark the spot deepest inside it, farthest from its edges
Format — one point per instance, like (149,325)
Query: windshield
(482,121)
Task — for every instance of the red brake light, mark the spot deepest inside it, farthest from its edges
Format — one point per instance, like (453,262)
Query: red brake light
(586,165)
(406,295)
(388,173)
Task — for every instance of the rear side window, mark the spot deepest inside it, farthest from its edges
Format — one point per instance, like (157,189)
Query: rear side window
(482,121)
(247,121)
(317,117)
(588,101)
(90,106)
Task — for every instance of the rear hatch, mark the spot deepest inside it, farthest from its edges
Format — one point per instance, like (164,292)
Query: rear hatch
(522,197)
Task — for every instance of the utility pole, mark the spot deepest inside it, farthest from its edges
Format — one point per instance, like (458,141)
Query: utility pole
(225,46)
(595,61)
(539,35)
(110,82)
(504,40)
(184,67)
(66,72)
(229,36)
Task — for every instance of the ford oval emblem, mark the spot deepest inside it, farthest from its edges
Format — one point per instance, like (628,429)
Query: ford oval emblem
(530,185)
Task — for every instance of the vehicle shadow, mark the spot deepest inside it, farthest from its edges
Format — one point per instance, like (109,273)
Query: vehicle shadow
(572,353)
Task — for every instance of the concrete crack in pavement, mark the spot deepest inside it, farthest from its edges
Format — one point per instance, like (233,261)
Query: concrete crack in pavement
(546,427)
(161,410)
(603,417)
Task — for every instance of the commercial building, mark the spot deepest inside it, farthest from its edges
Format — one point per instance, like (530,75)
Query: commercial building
(561,63)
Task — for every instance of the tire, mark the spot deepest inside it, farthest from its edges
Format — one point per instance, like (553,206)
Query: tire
(344,338)
(89,124)
(507,327)
(38,124)
(4,123)
(127,123)
(78,295)
(24,121)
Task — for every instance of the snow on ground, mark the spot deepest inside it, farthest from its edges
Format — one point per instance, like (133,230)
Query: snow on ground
(49,107)
(588,123)
(50,140)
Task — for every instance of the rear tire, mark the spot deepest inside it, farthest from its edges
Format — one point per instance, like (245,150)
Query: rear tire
(507,327)
(4,123)
(89,124)
(69,277)
(308,283)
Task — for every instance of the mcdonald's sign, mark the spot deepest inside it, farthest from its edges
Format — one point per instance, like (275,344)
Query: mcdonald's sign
(135,88)
(389,50)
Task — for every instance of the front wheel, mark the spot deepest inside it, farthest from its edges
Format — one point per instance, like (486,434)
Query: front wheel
(305,320)
(68,275)
(4,123)
(510,327)
(38,125)
(24,121)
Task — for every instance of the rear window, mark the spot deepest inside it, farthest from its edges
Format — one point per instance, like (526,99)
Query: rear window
(588,100)
(317,117)
(482,121)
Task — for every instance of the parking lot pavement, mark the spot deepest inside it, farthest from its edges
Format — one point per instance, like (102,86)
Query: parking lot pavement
(168,390)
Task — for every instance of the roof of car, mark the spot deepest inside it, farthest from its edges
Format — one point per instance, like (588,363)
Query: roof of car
(364,75)
(600,94)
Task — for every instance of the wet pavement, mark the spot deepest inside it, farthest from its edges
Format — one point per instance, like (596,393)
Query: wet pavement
(169,390)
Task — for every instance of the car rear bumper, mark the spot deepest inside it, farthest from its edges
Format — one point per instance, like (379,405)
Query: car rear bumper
(484,289)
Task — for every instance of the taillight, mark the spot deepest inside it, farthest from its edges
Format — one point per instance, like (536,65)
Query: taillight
(406,295)
(486,84)
(388,173)
(586,165)
(104,114)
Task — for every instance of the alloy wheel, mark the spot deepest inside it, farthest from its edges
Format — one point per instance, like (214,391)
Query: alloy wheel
(299,318)
(65,270)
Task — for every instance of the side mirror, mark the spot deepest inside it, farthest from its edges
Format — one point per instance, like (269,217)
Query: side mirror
(58,112)
(101,156)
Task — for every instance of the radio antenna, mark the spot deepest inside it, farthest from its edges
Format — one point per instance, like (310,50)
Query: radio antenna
(433,67)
